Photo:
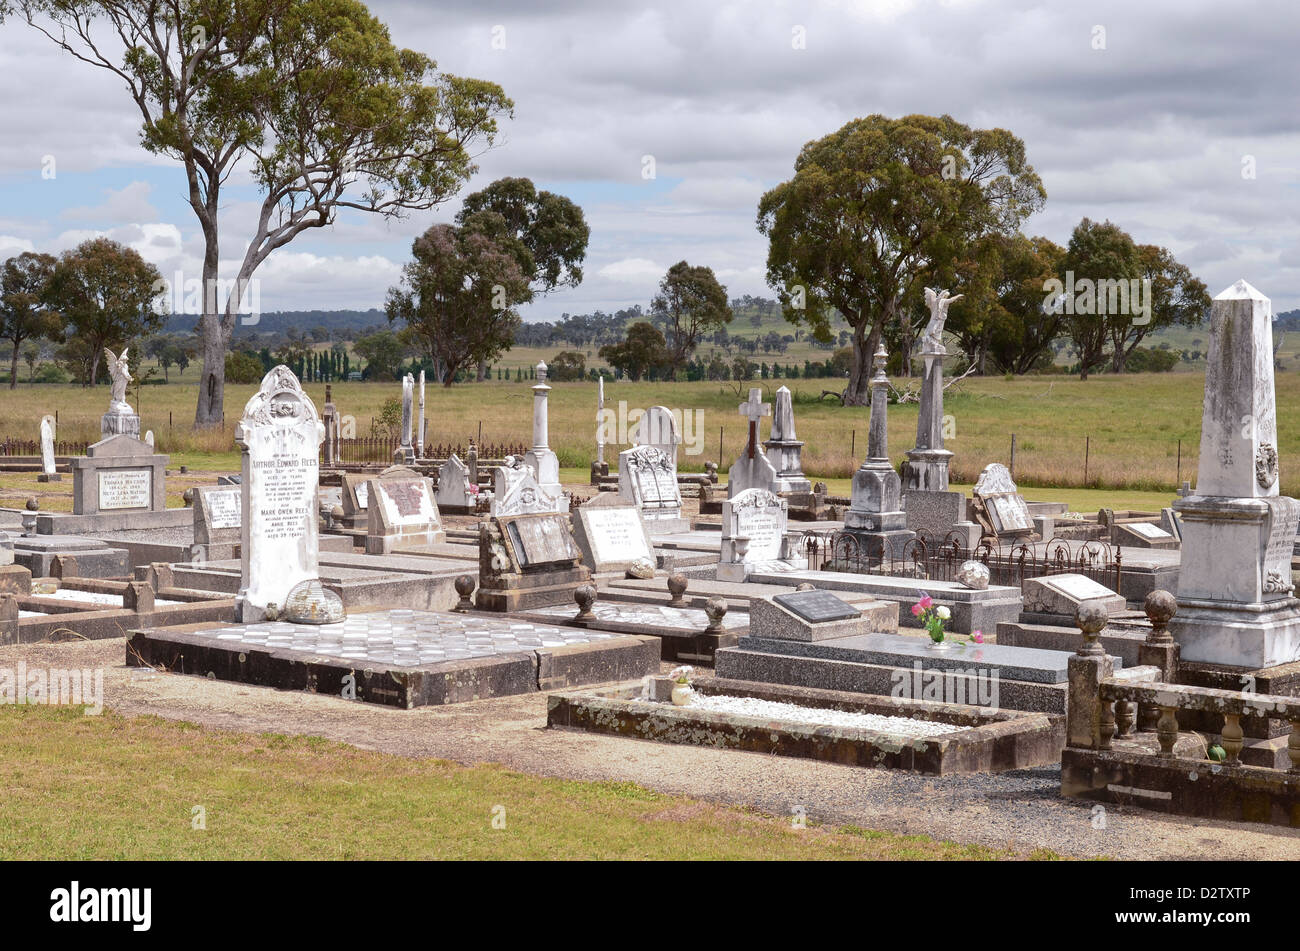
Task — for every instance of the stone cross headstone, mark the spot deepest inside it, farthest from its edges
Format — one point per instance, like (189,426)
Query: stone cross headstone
(404,454)
(875,516)
(48,471)
(1236,600)
(784,448)
(753,536)
(753,470)
(279,437)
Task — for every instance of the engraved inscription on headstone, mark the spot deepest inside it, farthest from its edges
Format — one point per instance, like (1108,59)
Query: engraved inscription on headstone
(543,540)
(756,514)
(223,508)
(817,606)
(126,489)
(616,534)
(408,498)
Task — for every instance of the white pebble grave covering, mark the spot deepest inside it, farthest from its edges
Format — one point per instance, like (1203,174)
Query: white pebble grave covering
(819,716)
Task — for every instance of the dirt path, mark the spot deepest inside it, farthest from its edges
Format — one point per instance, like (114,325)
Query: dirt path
(1020,809)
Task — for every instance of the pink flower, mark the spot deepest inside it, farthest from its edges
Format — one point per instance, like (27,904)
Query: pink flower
(978,637)
(916,610)
(926,603)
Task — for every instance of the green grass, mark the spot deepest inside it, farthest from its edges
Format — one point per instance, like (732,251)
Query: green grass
(109,787)
(1132,424)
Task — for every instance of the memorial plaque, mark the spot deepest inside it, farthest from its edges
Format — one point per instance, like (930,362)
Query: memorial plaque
(1079,587)
(540,541)
(817,606)
(406,501)
(1283,525)
(126,489)
(616,535)
(1147,530)
(1009,513)
(363,495)
(223,508)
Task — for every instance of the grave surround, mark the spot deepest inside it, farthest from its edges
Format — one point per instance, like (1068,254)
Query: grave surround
(119,475)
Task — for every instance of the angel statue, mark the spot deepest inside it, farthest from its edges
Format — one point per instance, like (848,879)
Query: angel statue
(117,369)
(938,302)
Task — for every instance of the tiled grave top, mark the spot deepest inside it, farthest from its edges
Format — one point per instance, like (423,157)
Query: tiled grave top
(97,597)
(402,638)
(649,615)
(897,650)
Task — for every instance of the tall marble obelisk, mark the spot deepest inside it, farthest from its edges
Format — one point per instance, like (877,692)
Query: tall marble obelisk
(1236,601)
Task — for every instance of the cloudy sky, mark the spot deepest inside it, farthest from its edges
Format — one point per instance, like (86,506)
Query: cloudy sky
(1176,119)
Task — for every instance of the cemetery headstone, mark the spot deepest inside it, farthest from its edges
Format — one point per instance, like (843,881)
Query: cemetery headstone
(528,561)
(754,536)
(926,467)
(648,479)
(516,491)
(1062,594)
(875,516)
(48,471)
(218,518)
(279,437)
(404,454)
(403,515)
(1005,507)
(785,449)
(753,470)
(611,534)
(119,474)
(546,465)
(456,493)
(419,431)
(1236,599)
(805,616)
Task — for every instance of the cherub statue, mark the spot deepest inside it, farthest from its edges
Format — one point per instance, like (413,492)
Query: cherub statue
(117,369)
(938,302)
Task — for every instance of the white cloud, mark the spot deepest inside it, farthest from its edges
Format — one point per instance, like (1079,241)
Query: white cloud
(634,270)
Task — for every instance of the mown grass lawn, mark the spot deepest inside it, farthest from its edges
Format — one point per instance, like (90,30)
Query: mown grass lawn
(109,787)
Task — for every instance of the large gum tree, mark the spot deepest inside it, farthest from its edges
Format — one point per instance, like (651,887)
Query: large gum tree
(879,206)
(309,98)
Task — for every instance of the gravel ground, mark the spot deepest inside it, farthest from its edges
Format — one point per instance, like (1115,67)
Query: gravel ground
(1021,809)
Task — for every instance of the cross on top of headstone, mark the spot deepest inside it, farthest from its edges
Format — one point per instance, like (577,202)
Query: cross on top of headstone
(754,409)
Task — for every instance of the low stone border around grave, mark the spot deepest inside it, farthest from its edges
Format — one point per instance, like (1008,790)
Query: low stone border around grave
(59,619)
(995,741)
(1183,787)
(182,649)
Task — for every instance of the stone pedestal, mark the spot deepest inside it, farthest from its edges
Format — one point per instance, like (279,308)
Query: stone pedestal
(1236,600)
(119,423)
(926,467)
(785,450)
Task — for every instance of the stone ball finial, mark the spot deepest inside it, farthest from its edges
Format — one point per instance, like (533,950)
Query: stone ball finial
(585,596)
(806,586)
(33,505)
(188,497)
(1091,617)
(1160,607)
(677,584)
(464,587)
(716,609)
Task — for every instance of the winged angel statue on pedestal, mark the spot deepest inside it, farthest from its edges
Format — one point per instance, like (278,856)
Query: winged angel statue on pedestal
(117,369)
(938,302)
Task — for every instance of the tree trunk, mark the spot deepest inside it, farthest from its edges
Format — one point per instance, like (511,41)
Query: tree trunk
(13,372)
(858,392)
(210,410)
